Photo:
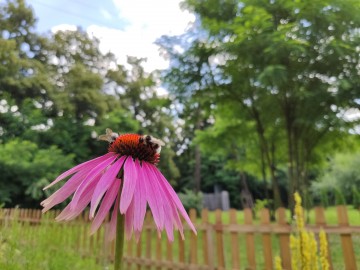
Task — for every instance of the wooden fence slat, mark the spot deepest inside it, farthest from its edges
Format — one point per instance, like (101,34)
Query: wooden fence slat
(148,239)
(266,240)
(158,251)
(250,241)
(320,221)
(169,253)
(208,246)
(219,240)
(284,239)
(346,242)
(129,252)
(181,244)
(234,242)
(138,252)
(193,239)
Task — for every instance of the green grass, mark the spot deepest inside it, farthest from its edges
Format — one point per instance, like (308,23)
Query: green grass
(54,246)
(50,246)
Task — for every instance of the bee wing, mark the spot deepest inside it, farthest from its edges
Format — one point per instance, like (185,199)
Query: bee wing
(108,131)
(104,138)
(158,141)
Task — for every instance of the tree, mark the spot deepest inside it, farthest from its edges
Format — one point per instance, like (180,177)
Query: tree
(287,64)
(26,169)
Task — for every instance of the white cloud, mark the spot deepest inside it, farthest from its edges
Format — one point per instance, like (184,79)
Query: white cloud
(146,22)
(158,16)
(136,42)
(63,27)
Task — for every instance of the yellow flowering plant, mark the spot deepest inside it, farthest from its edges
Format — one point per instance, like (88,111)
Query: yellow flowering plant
(305,254)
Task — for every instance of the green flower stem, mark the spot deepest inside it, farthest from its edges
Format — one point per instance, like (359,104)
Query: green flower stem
(119,244)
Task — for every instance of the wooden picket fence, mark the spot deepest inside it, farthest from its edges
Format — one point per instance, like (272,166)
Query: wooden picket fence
(218,245)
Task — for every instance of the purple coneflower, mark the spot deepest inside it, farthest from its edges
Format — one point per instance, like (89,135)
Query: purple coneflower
(129,167)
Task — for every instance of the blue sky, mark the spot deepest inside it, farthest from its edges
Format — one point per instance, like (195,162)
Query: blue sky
(79,12)
(124,27)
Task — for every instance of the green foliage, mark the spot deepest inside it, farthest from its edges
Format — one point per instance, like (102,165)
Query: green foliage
(339,197)
(191,200)
(26,167)
(267,68)
(342,173)
(355,198)
(261,204)
(324,196)
(57,94)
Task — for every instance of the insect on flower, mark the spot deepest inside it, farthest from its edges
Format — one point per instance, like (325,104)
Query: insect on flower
(130,164)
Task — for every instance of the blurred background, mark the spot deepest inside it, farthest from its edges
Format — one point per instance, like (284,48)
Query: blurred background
(256,98)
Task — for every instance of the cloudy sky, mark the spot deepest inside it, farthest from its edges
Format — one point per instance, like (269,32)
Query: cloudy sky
(123,27)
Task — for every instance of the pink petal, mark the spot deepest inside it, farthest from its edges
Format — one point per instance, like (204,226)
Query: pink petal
(129,184)
(90,177)
(64,192)
(112,225)
(153,196)
(104,184)
(106,204)
(139,199)
(129,219)
(86,165)
(171,194)
(169,222)
(68,213)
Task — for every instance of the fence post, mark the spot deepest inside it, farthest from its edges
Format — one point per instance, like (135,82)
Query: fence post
(321,222)
(169,254)
(208,246)
(181,250)
(346,242)
(266,239)
(193,239)
(284,239)
(234,242)
(148,241)
(129,253)
(158,252)
(138,252)
(250,244)
(219,240)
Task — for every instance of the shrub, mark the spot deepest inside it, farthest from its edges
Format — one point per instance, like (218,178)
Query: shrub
(339,197)
(191,200)
(355,198)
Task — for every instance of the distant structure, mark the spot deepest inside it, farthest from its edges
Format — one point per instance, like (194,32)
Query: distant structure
(217,200)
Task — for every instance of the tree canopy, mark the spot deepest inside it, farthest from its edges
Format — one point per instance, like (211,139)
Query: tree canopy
(261,95)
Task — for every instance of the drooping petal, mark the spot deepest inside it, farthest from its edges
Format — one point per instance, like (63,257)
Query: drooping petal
(85,166)
(153,196)
(68,213)
(90,177)
(139,199)
(64,192)
(169,227)
(172,194)
(129,219)
(129,184)
(106,204)
(112,225)
(104,184)
(177,221)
